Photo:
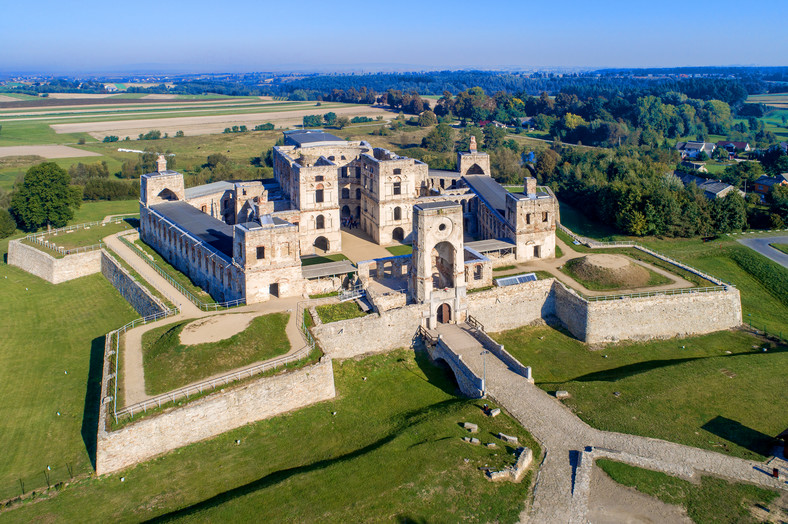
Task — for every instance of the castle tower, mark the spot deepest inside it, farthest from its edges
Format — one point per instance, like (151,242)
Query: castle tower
(438,263)
(473,162)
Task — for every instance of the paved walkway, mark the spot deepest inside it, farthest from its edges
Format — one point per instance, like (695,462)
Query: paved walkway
(761,245)
(133,368)
(559,496)
(357,246)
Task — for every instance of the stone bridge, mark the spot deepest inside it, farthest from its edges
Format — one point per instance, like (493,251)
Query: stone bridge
(449,348)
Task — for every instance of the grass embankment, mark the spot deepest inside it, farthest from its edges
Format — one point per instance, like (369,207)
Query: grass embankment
(389,447)
(688,390)
(168,268)
(780,247)
(336,312)
(51,352)
(169,364)
(311,260)
(400,250)
(83,237)
(601,279)
(712,500)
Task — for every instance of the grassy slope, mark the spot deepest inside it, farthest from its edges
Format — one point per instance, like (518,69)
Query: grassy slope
(606,280)
(170,365)
(178,276)
(392,451)
(708,409)
(48,330)
(781,247)
(712,500)
(336,312)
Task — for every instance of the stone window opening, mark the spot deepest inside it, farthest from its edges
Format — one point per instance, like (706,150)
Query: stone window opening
(320,222)
(397,213)
(528,218)
(260,252)
(319,193)
(477,272)
(397,186)
(318,178)
(345,192)
(204,208)
(544,216)
(358,193)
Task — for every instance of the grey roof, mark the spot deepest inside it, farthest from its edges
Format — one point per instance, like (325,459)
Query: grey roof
(209,189)
(328,269)
(490,191)
(485,246)
(711,188)
(442,173)
(309,136)
(213,232)
(436,205)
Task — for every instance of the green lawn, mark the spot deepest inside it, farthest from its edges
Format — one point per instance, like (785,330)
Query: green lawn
(95,211)
(558,252)
(51,352)
(311,260)
(169,364)
(176,275)
(711,500)
(403,249)
(388,447)
(336,312)
(718,401)
(85,237)
(780,247)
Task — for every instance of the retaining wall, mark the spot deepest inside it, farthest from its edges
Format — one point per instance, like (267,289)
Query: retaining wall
(51,269)
(212,415)
(509,307)
(135,293)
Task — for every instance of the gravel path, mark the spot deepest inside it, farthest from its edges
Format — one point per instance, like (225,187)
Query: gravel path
(761,245)
(559,496)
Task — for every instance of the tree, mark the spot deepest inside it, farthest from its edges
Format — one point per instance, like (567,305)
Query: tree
(330,118)
(179,134)
(216,159)
(342,122)
(546,163)
(427,118)
(45,198)
(439,139)
(7,224)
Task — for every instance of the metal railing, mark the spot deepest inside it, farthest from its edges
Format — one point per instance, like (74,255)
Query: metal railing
(39,238)
(75,227)
(213,306)
(682,291)
(356,291)
(113,355)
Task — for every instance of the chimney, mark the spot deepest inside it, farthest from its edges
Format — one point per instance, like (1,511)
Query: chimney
(472,146)
(161,164)
(530,187)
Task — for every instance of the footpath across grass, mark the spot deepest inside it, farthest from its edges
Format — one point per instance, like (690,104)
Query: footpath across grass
(717,391)
(388,447)
(712,500)
(169,364)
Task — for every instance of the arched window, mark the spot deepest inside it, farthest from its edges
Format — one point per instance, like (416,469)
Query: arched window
(320,222)
(397,186)
(345,192)
(397,213)
(319,193)
(358,193)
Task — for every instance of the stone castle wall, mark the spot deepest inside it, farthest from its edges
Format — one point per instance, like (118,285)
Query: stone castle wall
(51,269)
(509,307)
(135,293)
(212,415)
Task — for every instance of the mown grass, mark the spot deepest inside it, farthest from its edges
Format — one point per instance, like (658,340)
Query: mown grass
(311,260)
(95,211)
(51,352)
(173,272)
(400,250)
(504,268)
(335,312)
(169,364)
(712,500)
(780,247)
(690,390)
(83,237)
(607,279)
(388,447)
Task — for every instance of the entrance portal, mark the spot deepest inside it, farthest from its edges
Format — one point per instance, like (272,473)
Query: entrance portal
(321,244)
(398,234)
(273,290)
(444,313)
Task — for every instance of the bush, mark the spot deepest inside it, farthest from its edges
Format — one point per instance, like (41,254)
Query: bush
(111,138)
(179,134)
(102,189)
(153,134)
(264,127)
(7,223)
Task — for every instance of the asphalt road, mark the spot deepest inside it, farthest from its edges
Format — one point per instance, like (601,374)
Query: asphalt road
(761,245)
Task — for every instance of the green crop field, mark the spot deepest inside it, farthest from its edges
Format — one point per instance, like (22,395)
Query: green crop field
(388,446)
(169,364)
(51,353)
(718,400)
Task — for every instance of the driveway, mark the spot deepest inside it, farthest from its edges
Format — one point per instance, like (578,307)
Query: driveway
(761,245)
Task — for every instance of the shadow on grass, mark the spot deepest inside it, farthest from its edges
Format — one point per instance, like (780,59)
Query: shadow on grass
(409,419)
(741,435)
(621,372)
(439,374)
(90,412)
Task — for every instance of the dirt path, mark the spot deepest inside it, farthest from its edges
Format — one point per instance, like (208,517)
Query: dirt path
(551,266)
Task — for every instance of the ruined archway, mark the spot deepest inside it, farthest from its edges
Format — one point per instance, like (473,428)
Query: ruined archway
(321,244)
(442,259)
(398,234)
(167,194)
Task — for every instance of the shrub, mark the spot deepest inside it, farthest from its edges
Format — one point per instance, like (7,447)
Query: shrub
(7,223)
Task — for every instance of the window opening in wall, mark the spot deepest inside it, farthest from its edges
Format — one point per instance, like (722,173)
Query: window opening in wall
(319,193)
(204,208)
(318,178)
(260,252)
(544,216)
(397,186)
(528,218)
(345,192)
(477,272)
(358,193)
(397,213)
(320,222)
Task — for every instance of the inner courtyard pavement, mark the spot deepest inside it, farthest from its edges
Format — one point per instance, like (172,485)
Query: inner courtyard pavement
(563,482)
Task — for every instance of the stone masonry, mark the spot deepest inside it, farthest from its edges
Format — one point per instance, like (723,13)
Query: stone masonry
(51,269)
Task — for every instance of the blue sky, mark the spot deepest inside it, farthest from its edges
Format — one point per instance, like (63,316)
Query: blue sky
(234,35)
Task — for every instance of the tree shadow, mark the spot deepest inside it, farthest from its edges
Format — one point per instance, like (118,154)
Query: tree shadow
(438,373)
(739,434)
(621,372)
(90,411)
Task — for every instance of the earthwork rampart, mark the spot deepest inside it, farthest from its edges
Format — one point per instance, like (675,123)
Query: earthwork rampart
(135,294)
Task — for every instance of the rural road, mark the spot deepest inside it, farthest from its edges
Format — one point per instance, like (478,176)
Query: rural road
(761,245)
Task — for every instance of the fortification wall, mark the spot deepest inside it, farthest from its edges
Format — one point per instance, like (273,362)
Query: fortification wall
(572,310)
(370,334)
(213,415)
(135,294)
(51,269)
(662,316)
(509,307)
